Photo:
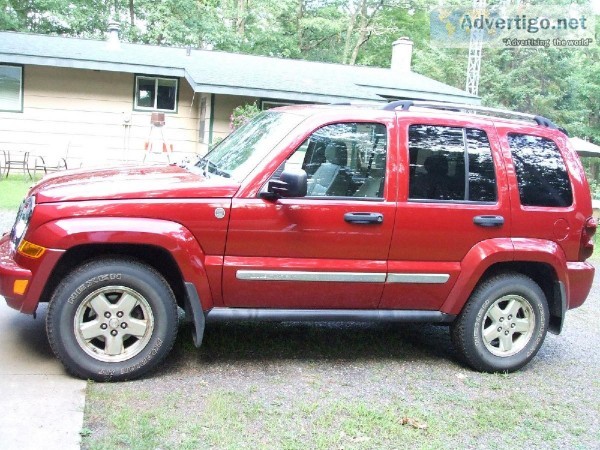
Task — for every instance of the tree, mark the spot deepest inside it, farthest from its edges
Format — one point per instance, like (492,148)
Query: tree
(361,18)
(559,83)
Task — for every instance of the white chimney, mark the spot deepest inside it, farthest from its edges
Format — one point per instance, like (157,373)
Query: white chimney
(113,34)
(402,54)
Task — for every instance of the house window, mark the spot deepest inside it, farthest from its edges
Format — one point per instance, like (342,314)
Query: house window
(156,94)
(268,104)
(11,88)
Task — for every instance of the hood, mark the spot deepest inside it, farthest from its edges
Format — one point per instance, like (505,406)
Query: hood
(134,182)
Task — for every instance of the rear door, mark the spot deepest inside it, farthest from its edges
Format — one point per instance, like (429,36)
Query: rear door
(330,248)
(453,196)
(543,176)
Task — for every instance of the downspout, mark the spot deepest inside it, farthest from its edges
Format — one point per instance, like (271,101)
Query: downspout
(212,119)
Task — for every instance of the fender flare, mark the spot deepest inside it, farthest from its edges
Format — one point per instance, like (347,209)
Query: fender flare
(173,237)
(492,251)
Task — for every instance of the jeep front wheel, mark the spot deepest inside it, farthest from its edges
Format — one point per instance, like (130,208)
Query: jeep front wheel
(503,325)
(112,320)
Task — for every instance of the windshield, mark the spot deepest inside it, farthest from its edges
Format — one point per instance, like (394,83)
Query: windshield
(237,155)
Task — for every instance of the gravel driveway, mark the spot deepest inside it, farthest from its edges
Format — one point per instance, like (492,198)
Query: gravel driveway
(351,386)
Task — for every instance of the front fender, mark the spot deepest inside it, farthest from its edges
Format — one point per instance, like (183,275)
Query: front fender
(493,251)
(171,236)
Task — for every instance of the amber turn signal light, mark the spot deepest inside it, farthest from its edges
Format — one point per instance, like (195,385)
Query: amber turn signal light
(20,286)
(30,250)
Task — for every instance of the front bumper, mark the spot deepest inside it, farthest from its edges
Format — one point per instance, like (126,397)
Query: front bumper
(23,286)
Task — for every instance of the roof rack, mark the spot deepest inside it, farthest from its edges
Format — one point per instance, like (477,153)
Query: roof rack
(405,105)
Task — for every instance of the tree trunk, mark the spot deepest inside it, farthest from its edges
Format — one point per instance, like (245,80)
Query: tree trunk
(131,14)
(240,24)
(364,33)
(349,31)
(300,31)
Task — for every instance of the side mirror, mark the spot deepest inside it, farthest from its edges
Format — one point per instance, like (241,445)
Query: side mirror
(291,183)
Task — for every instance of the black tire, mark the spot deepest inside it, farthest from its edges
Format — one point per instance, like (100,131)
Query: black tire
(112,345)
(503,325)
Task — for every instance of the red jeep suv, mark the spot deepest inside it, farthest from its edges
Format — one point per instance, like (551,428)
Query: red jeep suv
(410,212)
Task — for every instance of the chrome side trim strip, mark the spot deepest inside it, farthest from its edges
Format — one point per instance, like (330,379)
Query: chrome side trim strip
(424,278)
(220,314)
(282,275)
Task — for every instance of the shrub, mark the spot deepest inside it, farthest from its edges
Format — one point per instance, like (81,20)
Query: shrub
(242,114)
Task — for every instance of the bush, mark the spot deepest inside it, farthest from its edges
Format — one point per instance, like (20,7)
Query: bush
(242,114)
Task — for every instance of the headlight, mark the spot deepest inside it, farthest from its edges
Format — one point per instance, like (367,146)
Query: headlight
(22,221)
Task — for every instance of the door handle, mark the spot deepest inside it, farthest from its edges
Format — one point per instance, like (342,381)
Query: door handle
(364,217)
(488,221)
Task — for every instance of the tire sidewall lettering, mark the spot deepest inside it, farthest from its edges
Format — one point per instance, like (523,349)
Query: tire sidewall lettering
(467,332)
(534,344)
(145,360)
(96,275)
(92,282)
(477,337)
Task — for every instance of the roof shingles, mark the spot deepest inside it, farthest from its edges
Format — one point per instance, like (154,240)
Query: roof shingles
(222,72)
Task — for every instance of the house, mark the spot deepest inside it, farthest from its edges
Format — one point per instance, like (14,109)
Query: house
(95,98)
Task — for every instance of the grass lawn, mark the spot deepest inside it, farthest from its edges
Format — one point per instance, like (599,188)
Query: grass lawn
(290,386)
(12,190)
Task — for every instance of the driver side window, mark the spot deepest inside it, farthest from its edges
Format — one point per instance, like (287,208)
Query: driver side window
(344,160)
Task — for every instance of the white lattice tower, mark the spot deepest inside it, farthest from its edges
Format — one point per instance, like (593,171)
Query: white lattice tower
(475,47)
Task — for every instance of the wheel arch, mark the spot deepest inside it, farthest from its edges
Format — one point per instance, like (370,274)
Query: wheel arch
(542,261)
(168,247)
(154,256)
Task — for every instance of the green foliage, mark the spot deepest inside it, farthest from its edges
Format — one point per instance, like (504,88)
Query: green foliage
(595,188)
(243,114)
(561,84)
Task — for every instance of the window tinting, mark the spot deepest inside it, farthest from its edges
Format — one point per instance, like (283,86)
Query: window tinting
(11,88)
(450,163)
(482,179)
(541,173)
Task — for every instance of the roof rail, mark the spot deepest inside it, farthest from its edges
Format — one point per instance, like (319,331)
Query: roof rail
(405,105)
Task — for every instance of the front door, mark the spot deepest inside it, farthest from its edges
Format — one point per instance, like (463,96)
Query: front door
(328,249)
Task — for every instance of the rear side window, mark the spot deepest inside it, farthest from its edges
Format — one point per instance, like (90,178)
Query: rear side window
(541,173)
(450,163)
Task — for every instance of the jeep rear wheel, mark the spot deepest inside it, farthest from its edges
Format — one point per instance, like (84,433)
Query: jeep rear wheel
(503,325)
(112,320)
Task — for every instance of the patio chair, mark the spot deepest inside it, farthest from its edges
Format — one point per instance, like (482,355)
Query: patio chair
(16,160)
(53,166)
